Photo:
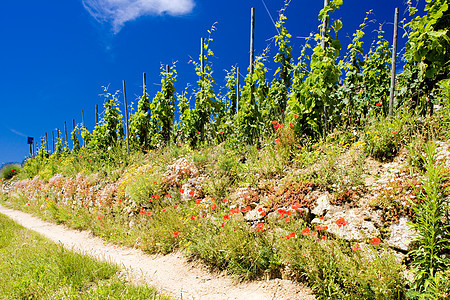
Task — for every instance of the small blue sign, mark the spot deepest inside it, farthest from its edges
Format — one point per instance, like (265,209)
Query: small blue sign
(30,140)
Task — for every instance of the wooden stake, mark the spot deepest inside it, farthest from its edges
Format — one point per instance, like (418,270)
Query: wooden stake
(126,116)
(84,125)
(323,45)
(144,79)
(237,91)
(53,141)
(96,114)
(394,62)
(67,138)
(202,55)
(46,141)
(252,41)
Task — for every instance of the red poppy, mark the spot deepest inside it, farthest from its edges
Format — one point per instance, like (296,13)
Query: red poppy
(341,222)
(221,131)
(193,217)
(395,132)
(214,206)
(168,196)
(191,193)
(176,206)
(198,201)
(263,214)
(224,200)
(163,210)
(260,209)
(149,213)
(156,196)
(323,237)
(226,217)
(90,159)
(259,227)
(276,126)
(356,247)
(281,125)
(274,122)
(314,233)
(203,216)
(319,228)
(300,147)
(223,224)
(291,124)
(181,191)
(321,218)
(375,241)
(378,104)
(176,233)
(306,231)
(13,170)
(100,217)
(288,212)
(295,116)
(287,219)
(150,200)
(281,211)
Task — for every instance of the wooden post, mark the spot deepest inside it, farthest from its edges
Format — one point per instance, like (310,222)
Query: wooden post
(252,41)
(73,124)
(167,69)
(202,55)
(84,125)
(31,150)
(46,141)
(323,46)
(67,137)
(126,116)
(96,114)
(324,25)
(394,62)
(144,79)
(53,141)
(237,91)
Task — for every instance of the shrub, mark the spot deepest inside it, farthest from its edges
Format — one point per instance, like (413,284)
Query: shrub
(8,171)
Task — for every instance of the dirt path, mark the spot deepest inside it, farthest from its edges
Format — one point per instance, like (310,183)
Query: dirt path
(172,274)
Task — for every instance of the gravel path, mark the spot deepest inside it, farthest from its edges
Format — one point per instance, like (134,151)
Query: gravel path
(171,274)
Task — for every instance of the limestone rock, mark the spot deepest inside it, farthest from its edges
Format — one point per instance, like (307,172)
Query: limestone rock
(322,206)
(401,235)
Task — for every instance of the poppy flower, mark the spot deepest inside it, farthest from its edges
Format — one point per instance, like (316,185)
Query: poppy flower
(176,206)
(226,217)
(341,222)
(260,209)
(224,200)
(198,201)
(274,122)
(181,191)
(163,210)
(176,233)
(356,247)
(321,218)
(168,196)
(221,131)
(306,231)
(259,227)
(263,214)
(291,125)
(156,196)
(276,126)
(13,170)
(281,125)
(150,200)
(375,241)
(191,193)
(214,206)
(378,104)
(223,224)
(193,217)
(395,132)
(323,237)
(287,219)
(203,216)
(295,116)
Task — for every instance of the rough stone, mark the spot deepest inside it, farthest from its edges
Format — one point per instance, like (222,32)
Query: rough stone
(323,205)
(401,235)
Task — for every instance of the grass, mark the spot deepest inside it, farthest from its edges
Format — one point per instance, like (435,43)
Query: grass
(32,267)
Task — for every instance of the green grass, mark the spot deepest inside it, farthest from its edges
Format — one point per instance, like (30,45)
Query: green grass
(31,267)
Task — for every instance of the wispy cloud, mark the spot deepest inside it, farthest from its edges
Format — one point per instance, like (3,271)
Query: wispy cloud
(118,12)
(17,132)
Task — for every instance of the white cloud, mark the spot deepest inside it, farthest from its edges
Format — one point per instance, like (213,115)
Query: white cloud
(118,12)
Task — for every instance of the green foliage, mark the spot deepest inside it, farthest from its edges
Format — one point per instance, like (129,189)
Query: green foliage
(140,129)
(8,171)
(110,131)
(163,108)
(74,137)
(432,227)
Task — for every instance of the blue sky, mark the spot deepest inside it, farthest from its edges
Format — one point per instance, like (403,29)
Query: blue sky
(56,55)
